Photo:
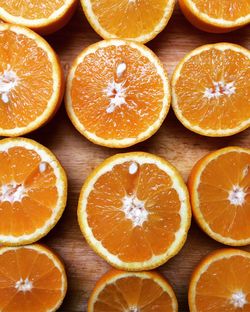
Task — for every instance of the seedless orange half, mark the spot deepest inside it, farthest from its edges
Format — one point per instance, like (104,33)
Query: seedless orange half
(117,93)
(32,278)
(221,283)
(31,81)
(134,211)
(45,16)
(211,90)
(216,16)
(135,20)
(129,291)
(220,195)
(33,191)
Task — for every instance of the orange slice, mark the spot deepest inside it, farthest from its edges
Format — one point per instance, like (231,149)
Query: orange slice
(32,278)
(216,16)
(45,16)
(135,20)
(33,191)
(221,283)
(31,81)
(134,211)
(117,93)
(220,195)
(211,90)
(130,291)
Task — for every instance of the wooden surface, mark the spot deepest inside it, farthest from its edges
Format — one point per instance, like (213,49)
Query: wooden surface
(177,144)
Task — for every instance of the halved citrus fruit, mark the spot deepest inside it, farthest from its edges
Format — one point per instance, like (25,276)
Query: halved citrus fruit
(136,20)
(117,93)
(44,17)
(219,187)
(211,89)
(216,16)
(134,211)
(31,81)
(32,278)
(33,191)
(221,283)
(130,291)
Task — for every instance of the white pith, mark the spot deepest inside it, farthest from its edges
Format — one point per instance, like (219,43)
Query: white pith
(237,196)
(238,299)
(219,89)
(24,285)
(134,210)
(133,168)
(8,81)
(12,192)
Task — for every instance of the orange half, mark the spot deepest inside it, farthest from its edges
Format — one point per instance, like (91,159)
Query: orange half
(31,81)
(32,278)
(128,291)
(33,191)
(219,187)
(134,211)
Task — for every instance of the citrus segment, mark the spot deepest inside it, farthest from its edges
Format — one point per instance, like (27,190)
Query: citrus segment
(31,81)
(216,16)
(135,20)
(144,291)
(117,93)
(33,191)
(219,188)
(32,278)
(44,16)
(210,92)
(134,211)
(221,282)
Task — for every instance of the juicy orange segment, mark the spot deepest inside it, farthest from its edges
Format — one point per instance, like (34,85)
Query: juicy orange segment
(30,81)
(221,282)
(210,93)
(134,211)
(144,291)
(32,278)
(216,16)
(43,16)
(117,93)
(33,191)
(136,20)
(220,195)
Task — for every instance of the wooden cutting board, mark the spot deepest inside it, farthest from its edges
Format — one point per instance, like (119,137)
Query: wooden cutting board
(177,144)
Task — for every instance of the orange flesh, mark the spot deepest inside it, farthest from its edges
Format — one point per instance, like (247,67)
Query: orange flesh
(140,81)
(129,19)
(220,281)
(133,292)
(31,9)
(34,84)
(229,220)
(20,167)
(45,277)
(199,73)
(229,10)
(119,235)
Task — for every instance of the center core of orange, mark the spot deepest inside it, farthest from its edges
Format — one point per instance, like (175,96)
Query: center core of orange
(23,285)
(12,192)
(238,299)
(8,81)
(237,196)
(219,89)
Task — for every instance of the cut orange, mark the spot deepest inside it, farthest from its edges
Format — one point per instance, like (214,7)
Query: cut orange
(117,93)
(221,283)
(211,90)
(31,81)
(220,195)
(33,191)
(134,211)
(129,291)
(44,16)
(32,278)
(216,16)
(131,19)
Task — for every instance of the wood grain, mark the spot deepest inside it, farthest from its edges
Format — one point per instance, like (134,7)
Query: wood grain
(180,146)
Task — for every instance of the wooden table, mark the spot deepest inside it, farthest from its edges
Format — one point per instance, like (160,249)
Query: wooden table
(177,144)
